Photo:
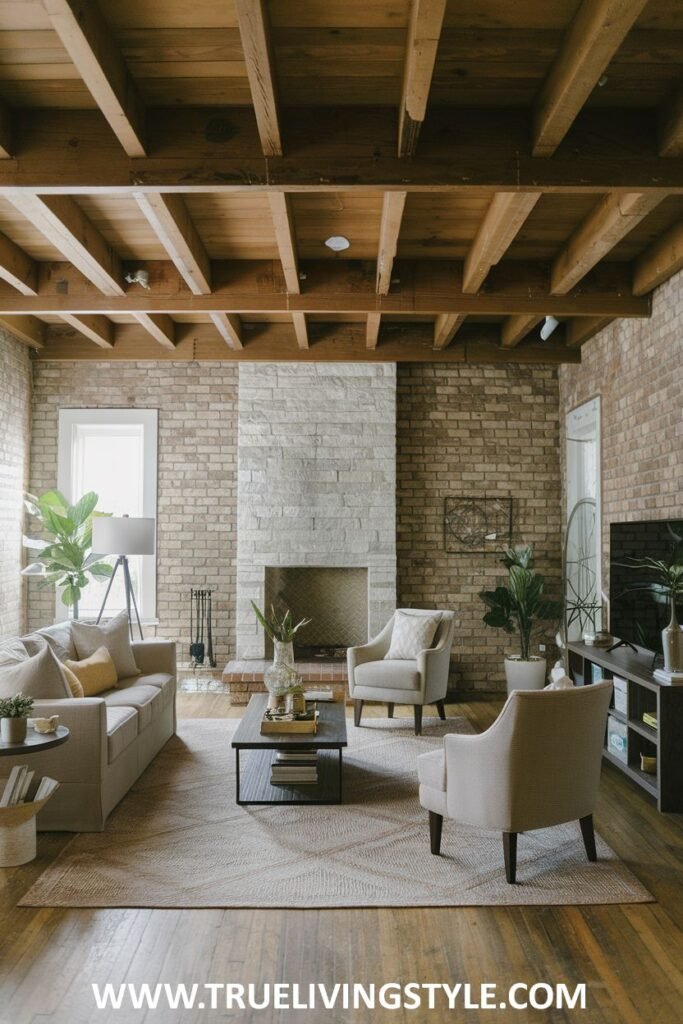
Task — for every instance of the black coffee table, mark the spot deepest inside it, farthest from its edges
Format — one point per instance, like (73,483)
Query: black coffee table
(253,778)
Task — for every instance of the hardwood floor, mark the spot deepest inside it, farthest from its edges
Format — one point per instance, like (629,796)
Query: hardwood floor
(631,957)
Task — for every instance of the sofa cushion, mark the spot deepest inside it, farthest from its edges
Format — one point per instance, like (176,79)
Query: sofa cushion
(431,769)
(122,728)
(60,639)
(147,700)
(12,652)
(39,676)
(114,635)
(392,675)
(162,680)
(96,674)
(412,632)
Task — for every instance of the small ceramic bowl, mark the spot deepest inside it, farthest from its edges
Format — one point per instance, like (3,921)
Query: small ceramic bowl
(46,725)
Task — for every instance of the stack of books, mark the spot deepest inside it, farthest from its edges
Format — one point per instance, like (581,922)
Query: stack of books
(17,786)
(650,718)
(294,768)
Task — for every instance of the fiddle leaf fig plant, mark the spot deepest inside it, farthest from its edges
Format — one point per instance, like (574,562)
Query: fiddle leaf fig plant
(66,558)
(520,605)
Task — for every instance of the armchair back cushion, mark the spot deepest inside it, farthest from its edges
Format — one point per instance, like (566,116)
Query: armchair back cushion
(412,632)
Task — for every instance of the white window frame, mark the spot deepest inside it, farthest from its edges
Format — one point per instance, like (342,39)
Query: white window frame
(148,419)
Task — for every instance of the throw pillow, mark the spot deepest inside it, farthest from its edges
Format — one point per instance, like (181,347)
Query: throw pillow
(60,640)
(39,676)
(411,634)
(12,652)
(96,673)
(114,635)
(560,683)
(72,681)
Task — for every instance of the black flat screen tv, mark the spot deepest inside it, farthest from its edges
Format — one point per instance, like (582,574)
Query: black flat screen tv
(640,616)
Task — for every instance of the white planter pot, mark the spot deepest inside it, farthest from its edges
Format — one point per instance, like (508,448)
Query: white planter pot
(13,730)
(525,675)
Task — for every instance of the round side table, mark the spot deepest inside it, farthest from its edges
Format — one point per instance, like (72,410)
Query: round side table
(18,823)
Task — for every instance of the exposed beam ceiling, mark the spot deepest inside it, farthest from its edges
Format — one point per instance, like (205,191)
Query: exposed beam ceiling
(97,328)
(424,31)
(27,329)
(6,131)
(584,328)
(88,41)
(516,329)
(17,268)
(372,330)
(229,326)
(446,327)
(497,231)
(671,126)
(300,329)
(285,237)
(160,326)
(660,261)
(169,217)
(393,205)
(594,36)
(252,16)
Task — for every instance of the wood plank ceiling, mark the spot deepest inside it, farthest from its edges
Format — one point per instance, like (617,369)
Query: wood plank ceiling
(170,173)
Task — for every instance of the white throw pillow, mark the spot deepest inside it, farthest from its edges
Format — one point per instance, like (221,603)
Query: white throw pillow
(114,635)
(38,676)
(411,634)
(560,683)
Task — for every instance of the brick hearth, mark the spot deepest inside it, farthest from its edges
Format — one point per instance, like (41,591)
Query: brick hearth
(244,677)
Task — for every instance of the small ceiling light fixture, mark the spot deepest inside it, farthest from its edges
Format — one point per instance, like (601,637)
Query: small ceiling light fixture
(550,324)
(337,243)
(602,81)
(140,277)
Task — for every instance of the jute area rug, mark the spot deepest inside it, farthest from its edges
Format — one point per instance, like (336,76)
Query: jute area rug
(179,840)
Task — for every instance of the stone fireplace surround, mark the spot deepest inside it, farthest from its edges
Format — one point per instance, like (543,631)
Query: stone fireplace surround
(316,470)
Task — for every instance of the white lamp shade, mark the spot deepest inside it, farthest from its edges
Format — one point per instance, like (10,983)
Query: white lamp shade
(122,535)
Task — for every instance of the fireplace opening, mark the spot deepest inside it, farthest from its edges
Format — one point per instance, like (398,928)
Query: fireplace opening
(335,599)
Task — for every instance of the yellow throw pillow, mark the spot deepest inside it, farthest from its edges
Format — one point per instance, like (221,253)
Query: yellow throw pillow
(72,681)
(96,673)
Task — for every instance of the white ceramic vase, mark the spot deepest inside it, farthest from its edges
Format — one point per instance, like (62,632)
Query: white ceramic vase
(525,675)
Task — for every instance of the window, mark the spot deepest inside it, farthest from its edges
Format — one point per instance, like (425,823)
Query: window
(114,453)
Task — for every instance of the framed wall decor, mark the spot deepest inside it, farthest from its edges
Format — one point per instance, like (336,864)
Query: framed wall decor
(477,526)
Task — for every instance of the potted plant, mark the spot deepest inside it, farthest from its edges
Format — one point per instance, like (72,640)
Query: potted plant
(281,677)
(665,582)
(518,607)
(66,559)
(14,712)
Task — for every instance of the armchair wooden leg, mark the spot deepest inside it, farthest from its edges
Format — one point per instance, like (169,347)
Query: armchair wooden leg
(441,708)
(435,827)
(418,719)
(357,711)
(588,833)
(390,710)
(510,854)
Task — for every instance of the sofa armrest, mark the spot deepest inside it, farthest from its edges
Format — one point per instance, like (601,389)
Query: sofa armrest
(84,755)
(155,656)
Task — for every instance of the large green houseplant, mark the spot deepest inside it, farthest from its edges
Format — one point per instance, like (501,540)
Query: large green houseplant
(519,607)
(64,555)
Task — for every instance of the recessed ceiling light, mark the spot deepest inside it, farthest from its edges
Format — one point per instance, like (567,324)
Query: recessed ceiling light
(337,243)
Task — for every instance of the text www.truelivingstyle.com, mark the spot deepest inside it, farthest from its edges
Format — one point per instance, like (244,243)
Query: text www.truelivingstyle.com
(341,996)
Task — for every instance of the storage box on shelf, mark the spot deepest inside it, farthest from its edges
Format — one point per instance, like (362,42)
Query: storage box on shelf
(645,720)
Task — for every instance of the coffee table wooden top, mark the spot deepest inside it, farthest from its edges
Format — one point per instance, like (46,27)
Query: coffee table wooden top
(34,742)
(331,732)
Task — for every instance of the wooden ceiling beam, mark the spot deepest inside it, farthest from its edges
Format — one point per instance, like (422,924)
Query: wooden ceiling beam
(254,28)
(502,221)
(393,205)
(61,221)
(372,330)
(597,31)
(671,126)
(88,40)
(583,328)
(169,217)
(26,329)
(663,259)
(610,221)
(301,330)
(229,326)
(424,32)
(6,132)
(17,267)
(160,326)
(97,328)
(516,328)
(446,327)
(285,237)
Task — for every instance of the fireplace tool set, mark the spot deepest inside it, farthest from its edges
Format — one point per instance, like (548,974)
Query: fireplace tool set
(201,631)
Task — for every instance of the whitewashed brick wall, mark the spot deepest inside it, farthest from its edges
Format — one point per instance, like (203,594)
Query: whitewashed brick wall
(15,428)
(316,479)
(196,540)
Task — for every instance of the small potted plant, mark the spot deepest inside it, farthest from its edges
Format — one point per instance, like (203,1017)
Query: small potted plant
(519,607)
(14,712)
(281,677)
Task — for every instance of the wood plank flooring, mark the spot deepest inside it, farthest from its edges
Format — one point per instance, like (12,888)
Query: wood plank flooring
(631,957)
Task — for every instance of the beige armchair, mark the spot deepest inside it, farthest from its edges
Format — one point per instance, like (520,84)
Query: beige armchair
(538,765)
(419,682)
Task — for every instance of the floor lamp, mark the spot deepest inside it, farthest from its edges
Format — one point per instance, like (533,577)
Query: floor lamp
(123,536)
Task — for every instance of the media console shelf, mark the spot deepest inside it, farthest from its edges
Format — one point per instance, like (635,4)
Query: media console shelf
(644,694)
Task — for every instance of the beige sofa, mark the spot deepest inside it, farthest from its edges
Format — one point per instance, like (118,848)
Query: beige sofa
(114,736)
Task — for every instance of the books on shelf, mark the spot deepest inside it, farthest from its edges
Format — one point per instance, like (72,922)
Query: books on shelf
(650,718)
(292,768)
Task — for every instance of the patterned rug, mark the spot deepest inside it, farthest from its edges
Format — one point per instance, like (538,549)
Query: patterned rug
(179,840)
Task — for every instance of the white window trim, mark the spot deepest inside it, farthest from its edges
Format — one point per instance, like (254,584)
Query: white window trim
(69,419)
